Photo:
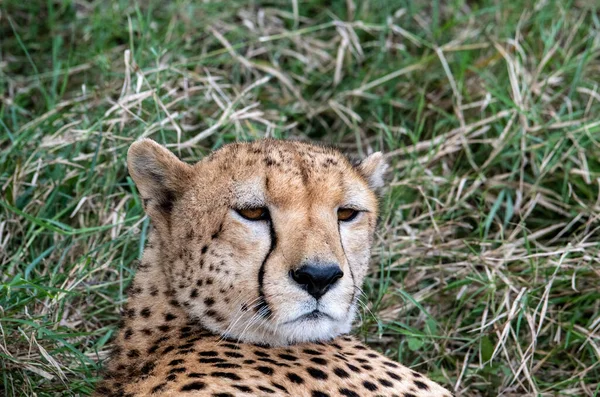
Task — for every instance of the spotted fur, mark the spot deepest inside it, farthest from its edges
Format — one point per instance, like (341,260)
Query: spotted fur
(214,309)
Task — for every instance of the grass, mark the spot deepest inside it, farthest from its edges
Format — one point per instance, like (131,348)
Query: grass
(486,267)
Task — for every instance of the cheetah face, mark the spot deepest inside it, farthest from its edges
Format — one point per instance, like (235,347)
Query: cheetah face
(264,242)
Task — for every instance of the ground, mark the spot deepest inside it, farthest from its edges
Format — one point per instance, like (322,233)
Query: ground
(485,268)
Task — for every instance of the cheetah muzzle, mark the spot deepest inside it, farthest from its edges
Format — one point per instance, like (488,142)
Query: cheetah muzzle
(251,277)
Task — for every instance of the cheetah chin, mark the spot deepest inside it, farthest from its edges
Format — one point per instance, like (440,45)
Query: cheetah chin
(251,276)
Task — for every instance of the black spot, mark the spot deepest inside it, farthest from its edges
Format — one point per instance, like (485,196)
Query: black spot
(271,361)
(194,293)
(158,388)
(353,368)
(145,312)
(385,382)
(390,364)
(261,354)
(243,388)
(372,355)
(288,357)
(196,375)
(393,376)
(209,281)
(222,395)
(210,360)
(147,368)
(168,349)
(341,357)
(209,301)
(318,360)
(173,302)
(266,389)
(280,387)
(170,317)
(265,370)
(227,365)
(162,339)
(341,373)
(209,353)
(316,393)
(367,367)
(204,249)
(248,362)
(147,331)
(295,378)
(185,346)
(269,161)
(312,352)
(163,328)
(316,373)
(370,385)
(133,353)
(228,375)
(171,378)
(348,393)
(234,354)
(193,386)
(134,291)
(177,370)
(128,333)
(214,315)
(421,385)
(361,360)
(175,362)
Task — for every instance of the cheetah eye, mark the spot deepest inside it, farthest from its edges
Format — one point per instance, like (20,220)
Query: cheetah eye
(346,214)
(254,214)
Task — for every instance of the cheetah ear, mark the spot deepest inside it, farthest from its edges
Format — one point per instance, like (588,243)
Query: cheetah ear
(158,174)
(373,169)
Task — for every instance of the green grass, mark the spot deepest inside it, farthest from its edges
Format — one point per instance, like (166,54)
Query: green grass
(486,268)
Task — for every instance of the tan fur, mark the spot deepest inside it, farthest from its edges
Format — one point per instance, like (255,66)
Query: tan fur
(213,309)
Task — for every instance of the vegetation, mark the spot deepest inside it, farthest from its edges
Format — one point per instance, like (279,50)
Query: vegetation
(486,266)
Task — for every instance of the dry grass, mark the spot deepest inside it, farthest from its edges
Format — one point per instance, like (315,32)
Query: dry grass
(486,270)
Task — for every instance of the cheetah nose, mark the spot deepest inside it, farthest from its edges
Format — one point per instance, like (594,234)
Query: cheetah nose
(317,279)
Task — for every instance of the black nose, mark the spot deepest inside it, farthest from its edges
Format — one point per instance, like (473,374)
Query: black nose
(317,279)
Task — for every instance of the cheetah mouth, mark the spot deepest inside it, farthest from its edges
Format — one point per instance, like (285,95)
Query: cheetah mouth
(315,315)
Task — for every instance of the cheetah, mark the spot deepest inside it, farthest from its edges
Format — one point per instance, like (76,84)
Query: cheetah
(249,281)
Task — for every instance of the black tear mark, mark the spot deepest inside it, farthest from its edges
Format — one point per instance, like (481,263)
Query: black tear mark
(355,288)
(263,306)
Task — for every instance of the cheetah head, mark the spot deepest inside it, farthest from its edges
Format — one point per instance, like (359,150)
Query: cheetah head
(264,242)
